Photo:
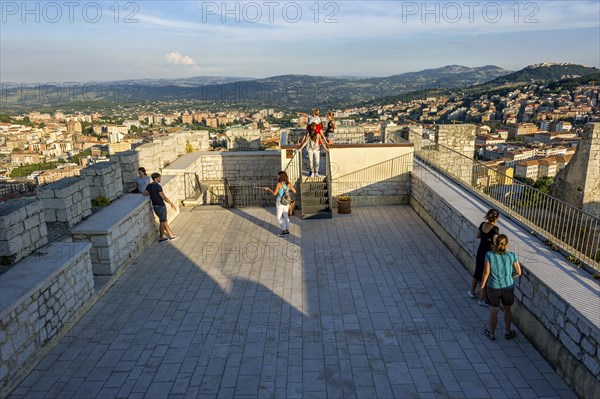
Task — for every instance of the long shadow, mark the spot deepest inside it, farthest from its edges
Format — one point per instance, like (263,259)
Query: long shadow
(169,326)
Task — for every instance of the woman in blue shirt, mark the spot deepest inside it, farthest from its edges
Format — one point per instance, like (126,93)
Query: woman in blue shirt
(498,285)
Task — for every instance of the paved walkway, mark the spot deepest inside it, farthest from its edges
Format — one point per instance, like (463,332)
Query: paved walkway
(366,305)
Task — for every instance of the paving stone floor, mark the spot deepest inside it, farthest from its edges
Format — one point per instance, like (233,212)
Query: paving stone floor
(366,305)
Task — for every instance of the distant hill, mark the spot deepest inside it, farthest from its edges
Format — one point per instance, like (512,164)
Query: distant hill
(302,92)
(292,92)
(547,72)
(193,81)
(502,86)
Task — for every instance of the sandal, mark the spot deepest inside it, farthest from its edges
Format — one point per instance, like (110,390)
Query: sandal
(510,335)
(489,335)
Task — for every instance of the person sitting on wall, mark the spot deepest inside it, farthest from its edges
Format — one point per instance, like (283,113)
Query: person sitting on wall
(315,118)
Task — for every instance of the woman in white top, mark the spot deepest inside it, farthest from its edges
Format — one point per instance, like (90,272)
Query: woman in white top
(283,217)
(140,183)
(312,141)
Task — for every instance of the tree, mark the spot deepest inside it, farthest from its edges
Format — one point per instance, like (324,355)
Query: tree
(542,183)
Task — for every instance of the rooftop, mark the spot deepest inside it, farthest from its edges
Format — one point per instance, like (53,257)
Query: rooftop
(366,305)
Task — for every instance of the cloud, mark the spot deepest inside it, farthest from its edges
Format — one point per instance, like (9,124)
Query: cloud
(179,59)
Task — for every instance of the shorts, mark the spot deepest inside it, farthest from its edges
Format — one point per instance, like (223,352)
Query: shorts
(496,295)
(161,212)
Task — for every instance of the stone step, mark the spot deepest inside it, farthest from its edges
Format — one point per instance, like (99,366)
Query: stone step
(315,193)
(313,186)
(315,200)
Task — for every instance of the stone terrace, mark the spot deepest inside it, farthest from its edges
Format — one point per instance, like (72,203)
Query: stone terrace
(366,305)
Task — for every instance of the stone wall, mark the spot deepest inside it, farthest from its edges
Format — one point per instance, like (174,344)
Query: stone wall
(119,232)
(66,202)
(198,139)
(171,188)
(578,184)
(239,167)
(38,297)
(104,178)
(236,167)
(22,229)
(562,334)
(460,139)
(377,174)
(129,163)
(156,155)
(392,192)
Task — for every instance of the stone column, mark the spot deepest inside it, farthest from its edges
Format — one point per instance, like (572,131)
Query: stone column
(129,162)
(66,202)
(578,184)
(460,139)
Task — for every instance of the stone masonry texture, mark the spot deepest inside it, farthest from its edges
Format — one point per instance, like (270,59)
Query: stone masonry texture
(22,229)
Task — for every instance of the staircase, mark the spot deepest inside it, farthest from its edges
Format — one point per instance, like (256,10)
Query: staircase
(316,196)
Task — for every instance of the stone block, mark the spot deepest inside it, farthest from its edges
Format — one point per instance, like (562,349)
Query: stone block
(573,332)
(571,345)
(592,364)
(584,327)
(588,346)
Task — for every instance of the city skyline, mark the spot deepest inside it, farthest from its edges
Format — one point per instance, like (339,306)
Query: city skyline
(103,41)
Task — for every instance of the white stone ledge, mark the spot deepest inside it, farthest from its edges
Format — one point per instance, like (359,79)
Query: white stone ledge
(112,216)
(35,272)
(575,286)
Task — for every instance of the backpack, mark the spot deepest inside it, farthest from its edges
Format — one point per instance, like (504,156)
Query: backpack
(286,198)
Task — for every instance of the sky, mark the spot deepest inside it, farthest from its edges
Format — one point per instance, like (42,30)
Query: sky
(82,41)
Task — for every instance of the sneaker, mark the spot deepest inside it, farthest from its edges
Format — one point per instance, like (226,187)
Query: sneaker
(481,302)
(488,335)
(174,238)
(283,233)
(163,239)
(471,294)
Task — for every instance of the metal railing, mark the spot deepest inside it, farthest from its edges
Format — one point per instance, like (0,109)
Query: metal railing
(374,174)
(229,198)
(249,193)
(192,187)
(560,224)
(294,170)
(328,175)
(239,194)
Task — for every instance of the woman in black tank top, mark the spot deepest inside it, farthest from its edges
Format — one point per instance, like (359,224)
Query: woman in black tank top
(330,127)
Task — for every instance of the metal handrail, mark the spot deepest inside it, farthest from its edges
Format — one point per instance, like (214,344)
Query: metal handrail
(229,198)
(329,180)
(294,170)
(191,184)
(562,225)
(380,171)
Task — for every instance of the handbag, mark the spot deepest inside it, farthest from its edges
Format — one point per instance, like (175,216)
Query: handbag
(286,198)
